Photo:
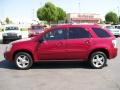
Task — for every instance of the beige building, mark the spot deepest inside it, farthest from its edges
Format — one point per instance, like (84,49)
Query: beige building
(83,18)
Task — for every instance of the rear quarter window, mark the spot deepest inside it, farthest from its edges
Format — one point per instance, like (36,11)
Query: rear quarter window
(101,32)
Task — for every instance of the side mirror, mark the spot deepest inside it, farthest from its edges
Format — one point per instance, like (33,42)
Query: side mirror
(41,40)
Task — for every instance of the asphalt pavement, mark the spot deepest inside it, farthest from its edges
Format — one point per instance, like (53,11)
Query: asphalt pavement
(60,75)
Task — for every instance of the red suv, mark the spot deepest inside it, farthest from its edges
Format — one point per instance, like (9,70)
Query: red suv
(90,43)
(35,30)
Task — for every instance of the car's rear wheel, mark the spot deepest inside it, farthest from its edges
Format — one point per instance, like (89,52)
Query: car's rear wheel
(98,60)
(23,60)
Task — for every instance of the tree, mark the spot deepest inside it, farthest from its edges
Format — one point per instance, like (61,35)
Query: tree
(111,17)
(7,20)
(47,13)
(61,14)
(119,19)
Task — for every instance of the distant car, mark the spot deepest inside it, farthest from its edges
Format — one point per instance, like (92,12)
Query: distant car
(11,32)
(117,26)
(114,30)
(90,43)
(35,30)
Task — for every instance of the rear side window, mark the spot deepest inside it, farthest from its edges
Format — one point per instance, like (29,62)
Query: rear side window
(101,32)
(77,32)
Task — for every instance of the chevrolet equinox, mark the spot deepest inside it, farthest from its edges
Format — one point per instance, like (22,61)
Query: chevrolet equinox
(68,42)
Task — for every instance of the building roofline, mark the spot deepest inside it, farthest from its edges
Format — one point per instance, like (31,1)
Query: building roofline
(85,13)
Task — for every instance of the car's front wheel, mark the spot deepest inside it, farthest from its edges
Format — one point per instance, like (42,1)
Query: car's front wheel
(98,60)
(23,60)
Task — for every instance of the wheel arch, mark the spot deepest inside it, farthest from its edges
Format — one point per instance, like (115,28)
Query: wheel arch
(23,50)
(99,49)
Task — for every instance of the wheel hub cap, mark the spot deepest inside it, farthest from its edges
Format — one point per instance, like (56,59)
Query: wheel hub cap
(22,61)
(98,60)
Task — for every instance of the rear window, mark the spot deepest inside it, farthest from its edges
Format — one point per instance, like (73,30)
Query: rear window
(101,32)
(37,27)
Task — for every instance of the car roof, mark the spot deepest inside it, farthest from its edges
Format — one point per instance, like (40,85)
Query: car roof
(36,25)
(77,25)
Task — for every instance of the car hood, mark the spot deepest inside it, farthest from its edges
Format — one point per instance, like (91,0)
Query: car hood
(22,40)
(15,31)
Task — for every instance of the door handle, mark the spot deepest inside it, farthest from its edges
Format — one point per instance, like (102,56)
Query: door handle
(87,42)
(59,44)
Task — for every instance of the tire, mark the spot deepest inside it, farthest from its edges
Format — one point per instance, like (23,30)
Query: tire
(23,60)
(98,60)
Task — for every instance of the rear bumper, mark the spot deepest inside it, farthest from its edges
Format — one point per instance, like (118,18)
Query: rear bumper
(113,53)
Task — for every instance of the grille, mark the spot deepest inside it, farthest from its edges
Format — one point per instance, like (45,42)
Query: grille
(11,34)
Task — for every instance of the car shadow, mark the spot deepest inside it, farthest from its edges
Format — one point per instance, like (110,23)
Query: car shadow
(61,65)
(7,64)
(48,65)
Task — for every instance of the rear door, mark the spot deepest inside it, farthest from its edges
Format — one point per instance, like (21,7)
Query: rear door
(78,43)
(54,45)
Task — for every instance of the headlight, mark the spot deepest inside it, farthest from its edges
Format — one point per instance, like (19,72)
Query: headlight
(4,34)
(9,46)
(19,34)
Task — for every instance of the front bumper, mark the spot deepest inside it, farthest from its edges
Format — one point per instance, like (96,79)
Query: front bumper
(11,37)
(8,56)
(116,34)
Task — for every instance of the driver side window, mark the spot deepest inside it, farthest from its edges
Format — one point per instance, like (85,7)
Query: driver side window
(56,34)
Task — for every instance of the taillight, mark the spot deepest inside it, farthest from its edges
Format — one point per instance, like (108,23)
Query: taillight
(114,42)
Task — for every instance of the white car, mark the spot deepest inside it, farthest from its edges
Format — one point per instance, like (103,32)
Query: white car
(114,30)
(11,32)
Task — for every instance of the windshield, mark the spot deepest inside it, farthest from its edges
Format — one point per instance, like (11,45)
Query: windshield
(37,27)
(110,27)
(11,28)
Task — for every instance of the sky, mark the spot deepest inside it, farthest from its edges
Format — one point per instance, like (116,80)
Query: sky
(25,10)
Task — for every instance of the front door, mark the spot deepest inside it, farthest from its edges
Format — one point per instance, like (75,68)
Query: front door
(53,46)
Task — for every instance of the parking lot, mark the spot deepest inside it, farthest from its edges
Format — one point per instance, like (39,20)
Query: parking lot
(60,75)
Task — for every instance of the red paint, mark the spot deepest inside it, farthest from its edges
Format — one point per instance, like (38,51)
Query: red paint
(66,49)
